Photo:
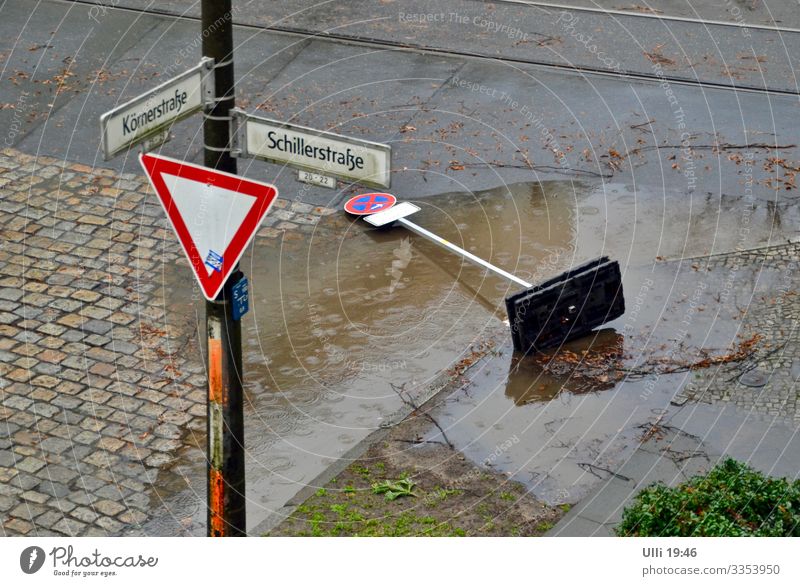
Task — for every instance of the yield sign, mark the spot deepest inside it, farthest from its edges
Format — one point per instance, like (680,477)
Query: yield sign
(214,214)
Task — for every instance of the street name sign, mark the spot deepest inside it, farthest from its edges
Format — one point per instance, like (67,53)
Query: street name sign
(304,148)
(214,214)
(152,113)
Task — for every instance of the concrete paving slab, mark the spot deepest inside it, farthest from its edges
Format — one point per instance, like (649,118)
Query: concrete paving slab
(578,526)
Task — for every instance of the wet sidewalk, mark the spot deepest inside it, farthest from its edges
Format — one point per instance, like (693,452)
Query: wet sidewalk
(618,43)
(667,455)
(746,409)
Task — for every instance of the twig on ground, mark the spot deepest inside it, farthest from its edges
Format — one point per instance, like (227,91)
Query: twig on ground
(590,468)
(407,400)
(641,124)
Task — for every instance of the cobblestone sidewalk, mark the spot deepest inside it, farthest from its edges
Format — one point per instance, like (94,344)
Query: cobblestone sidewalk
(98,391)
(773,374)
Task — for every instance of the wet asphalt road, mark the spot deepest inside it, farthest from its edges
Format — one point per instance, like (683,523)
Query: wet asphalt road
(67,67)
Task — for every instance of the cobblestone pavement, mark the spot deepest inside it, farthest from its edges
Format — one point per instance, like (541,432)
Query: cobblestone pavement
(99,392)
(773,313)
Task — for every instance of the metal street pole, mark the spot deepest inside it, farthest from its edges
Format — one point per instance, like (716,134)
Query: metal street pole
(226,481)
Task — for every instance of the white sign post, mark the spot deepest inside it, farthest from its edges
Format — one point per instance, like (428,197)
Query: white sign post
(316,151)
(151,114)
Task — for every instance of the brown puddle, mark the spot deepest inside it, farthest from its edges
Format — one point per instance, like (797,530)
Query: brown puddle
(343,318)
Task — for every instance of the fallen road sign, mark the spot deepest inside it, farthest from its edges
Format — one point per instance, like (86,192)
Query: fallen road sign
(567,306)
(369,203)
(152,113)
(214,214)
(560,309)
(327,153)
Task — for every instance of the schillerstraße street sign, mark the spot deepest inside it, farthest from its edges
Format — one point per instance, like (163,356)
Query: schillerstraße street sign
(305,148)
(154,112)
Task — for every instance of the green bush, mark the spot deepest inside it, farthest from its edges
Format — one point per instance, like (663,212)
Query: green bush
(731,500)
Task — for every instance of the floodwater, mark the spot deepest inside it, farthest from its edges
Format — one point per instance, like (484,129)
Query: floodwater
(345,318)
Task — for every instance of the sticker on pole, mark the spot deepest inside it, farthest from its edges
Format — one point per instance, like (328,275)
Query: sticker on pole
(241,299)
(369,203)
(214,214)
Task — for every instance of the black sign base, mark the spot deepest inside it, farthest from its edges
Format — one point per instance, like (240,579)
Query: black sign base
(568,306)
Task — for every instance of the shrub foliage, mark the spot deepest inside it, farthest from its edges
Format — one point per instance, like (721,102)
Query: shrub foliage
(731,500)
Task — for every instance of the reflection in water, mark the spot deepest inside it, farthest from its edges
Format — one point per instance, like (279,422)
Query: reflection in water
(580,366)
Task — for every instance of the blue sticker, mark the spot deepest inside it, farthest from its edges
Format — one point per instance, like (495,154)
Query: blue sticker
(214,261)
(241,301)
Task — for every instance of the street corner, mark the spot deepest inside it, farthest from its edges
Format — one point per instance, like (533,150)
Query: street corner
(490,269)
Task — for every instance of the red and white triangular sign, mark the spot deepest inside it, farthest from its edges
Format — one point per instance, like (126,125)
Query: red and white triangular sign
(214,214)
